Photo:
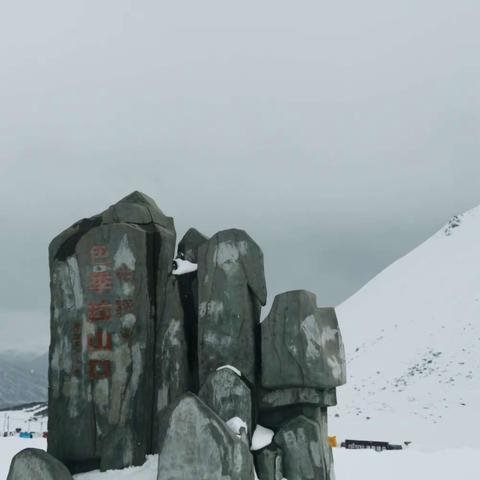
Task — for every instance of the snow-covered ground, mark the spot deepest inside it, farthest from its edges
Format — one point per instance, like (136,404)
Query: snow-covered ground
(30,419)
(461,464)
(360,465)
(412,337)
(349,464)
(146,472)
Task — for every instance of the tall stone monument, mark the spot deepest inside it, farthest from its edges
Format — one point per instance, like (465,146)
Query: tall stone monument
(151,354)
(108,284)
(303,361)
(188,285)
(231,291)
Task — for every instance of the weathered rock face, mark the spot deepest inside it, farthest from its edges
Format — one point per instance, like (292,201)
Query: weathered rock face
(190,243)
(188,285)
(301,344)
(36,464)
(173,373)
(195,444)
(322,420)
(275,418)
(279,406)
(228,396)
(303,447)
(108,279)
(292,396)
(268,463)
(231,287)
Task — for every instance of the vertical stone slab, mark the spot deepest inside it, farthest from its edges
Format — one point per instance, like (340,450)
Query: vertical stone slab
(190,243)
(228,396)
(322,420)
(268,463)
(301,344)
(188,284)
(231,288)
(108,276)
(301,443)
(195,444)
(174,377)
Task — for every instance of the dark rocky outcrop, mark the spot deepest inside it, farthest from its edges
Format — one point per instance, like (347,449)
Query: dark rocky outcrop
(301,344)
(108,284)
(174,376)
(228,396)
(231,286)
(195,444)
(36,464)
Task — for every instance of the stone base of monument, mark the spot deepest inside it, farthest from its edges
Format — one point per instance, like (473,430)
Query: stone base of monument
(146,360)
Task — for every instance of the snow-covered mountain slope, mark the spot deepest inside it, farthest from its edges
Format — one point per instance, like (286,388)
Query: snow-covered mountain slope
(412,337)
(23,378)
(31,417)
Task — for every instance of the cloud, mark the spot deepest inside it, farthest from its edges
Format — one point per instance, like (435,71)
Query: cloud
(338,135)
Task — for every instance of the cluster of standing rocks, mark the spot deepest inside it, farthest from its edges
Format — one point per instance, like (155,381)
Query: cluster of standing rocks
(147,357)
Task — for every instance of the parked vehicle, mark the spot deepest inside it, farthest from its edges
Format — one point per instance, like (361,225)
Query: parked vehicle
(369,444)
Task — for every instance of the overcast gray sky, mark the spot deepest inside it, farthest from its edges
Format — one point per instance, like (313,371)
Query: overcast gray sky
(338,134)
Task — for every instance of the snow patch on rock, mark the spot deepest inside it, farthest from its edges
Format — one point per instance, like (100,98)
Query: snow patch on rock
(261,438)
(183,266)
(235,424)
(229,367)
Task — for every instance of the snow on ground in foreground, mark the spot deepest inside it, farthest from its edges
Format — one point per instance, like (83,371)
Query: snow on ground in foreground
(146,472)
(349,464)
(399,465)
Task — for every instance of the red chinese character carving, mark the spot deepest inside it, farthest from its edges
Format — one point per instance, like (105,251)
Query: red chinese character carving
(98,369)
(123,306)
(99,341)
(99,311)
(124,274)
(99,255)
(100,282)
